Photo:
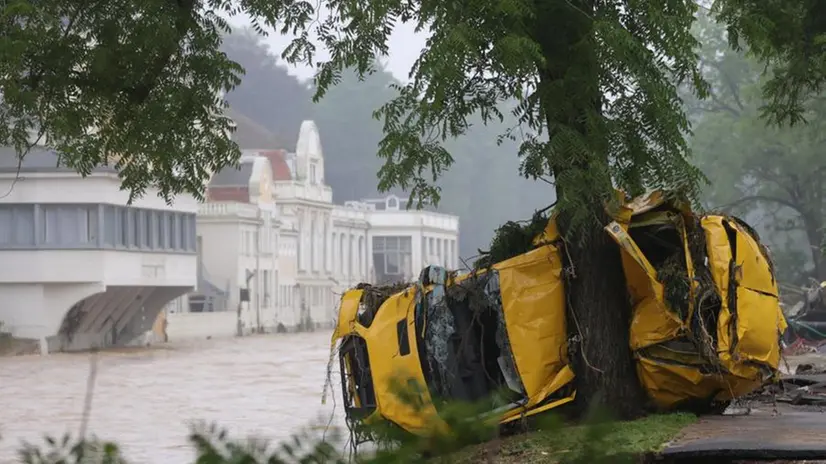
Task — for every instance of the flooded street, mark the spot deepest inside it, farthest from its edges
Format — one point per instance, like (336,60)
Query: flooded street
(269,386)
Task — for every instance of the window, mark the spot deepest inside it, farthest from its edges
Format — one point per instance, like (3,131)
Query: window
(183,233)
(351,259)
(313,174)
(23,219)
(146,223)
(172,225)
(445,255)
(160,228)
(17,225)
(403,338)
(63,225)
(88,224)
(299,251)
(266,285)
(392,258)
(191,232)
(6,225)
(124,219)
(110,225)
(313,250)
(342,263)
(276,289)
(361,257)
(325,244)
(453,258)
(137,218)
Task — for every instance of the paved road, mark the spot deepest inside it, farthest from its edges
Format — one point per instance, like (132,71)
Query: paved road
(268,386)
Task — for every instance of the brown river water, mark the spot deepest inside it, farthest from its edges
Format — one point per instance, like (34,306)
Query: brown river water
(267,386)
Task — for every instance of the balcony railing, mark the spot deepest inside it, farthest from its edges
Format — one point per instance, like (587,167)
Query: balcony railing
(223,209)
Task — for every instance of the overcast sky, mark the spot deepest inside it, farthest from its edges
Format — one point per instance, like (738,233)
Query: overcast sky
(405,46)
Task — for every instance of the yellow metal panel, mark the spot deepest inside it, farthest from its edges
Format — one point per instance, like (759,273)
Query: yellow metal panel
(669,383)
(543,408)
(759,322)
(718,251)
(563,377)
(754,271)
(652,322)
(391,370)
(347,313)
(689,262)
(533,301)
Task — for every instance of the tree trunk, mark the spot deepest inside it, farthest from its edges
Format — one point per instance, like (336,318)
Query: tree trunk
(599,308)
(599,321)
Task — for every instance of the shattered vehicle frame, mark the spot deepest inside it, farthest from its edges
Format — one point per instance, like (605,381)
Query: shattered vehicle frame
(707,321)
(492,335)
(706,324)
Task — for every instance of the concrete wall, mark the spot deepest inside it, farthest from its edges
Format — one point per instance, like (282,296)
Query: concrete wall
(110,267)
(188,326)
(96,188)
(183,326)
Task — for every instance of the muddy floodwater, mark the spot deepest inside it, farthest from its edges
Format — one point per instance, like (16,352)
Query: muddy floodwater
(268,386)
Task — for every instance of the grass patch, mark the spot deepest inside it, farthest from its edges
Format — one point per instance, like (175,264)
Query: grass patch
(614,441)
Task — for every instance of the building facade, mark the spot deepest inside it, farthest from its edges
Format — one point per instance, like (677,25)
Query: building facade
(83,268)
(316,249)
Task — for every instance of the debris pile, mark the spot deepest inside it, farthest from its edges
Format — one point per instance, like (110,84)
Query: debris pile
(802,346)
(805,388)
(807,319)
(372,299)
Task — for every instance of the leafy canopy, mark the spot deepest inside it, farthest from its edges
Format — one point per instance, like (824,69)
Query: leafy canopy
(593,84)
(138,84)
(790,37)
(590,83)
(771,172)
(148,76)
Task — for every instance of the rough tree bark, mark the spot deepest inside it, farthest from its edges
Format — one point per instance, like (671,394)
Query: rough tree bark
(599,315)
(599,308)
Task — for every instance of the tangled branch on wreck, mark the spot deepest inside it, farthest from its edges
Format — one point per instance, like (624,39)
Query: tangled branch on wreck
(513,238)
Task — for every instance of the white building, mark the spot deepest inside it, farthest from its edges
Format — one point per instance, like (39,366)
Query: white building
(241,207)
(81,268)
(404,241)
(318,249)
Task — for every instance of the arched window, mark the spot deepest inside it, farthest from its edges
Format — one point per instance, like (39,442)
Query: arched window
(392,203)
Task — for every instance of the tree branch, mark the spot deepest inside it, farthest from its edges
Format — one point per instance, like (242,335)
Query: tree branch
(757,199)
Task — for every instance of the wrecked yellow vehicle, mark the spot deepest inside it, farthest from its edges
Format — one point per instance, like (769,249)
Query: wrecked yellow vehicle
(492,335)
(707,320)
(706,324)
